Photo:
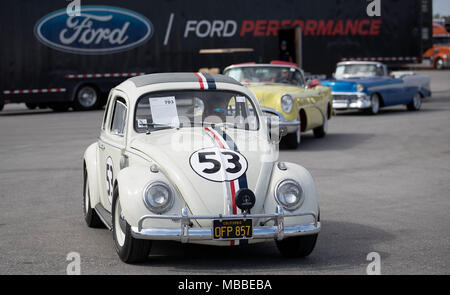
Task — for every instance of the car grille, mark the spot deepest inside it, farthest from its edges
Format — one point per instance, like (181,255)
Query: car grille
(344,97)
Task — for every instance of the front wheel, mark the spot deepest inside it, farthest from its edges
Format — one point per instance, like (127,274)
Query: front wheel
(129,249)
(31,106)
(439,65)
(416,103)
(2,104)
(321,131)
(87,98)
(374,104)
(292,140)
(294,247)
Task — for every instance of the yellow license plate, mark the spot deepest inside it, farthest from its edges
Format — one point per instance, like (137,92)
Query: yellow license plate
(233,229)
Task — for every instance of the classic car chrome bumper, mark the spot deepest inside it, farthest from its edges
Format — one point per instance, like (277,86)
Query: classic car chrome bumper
(289,126)
(350,100)
(186,233)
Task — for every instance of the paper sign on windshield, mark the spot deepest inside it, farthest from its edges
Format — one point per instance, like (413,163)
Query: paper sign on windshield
(164,110)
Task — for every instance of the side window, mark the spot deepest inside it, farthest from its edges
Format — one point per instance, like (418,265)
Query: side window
(298,78)
(105,115)
(238,108)
(119,116)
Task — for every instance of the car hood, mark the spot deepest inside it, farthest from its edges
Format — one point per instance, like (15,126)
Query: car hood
(171,150)
(349,85)
(269,92)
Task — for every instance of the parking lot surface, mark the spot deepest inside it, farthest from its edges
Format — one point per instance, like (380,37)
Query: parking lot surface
(383,184)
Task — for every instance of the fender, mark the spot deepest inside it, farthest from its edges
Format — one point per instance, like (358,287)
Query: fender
(132,182)
(304,178)
(90,160)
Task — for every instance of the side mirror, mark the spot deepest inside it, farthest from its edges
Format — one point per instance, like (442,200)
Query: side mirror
(276,132)
(313,83)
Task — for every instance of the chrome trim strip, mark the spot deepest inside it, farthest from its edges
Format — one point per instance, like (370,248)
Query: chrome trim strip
(111,143)
(278,113)
(136,152)
(290,123)
(349,93)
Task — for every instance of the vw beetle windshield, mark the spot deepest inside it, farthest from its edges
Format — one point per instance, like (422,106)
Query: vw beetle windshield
(266,75)
(357,70)
(190,108)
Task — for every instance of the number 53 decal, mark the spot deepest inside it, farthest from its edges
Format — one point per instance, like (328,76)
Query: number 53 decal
(218,164)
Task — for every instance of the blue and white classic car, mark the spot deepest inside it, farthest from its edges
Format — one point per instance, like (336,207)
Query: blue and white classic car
(367,86)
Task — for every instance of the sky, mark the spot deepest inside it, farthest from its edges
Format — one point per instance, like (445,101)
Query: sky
(442,7)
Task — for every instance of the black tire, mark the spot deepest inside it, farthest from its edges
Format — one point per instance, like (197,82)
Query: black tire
(439,64)
(294,247)
(132,250)
(31,106)
(87,98)
(90,215)
(292,140)
(2,104)
(321,131)
(375,104)
(415,103)
(59,107)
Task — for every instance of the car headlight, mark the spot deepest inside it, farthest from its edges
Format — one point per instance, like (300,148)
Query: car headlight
(359,87)
(287,103)
(289,194)
(158,197)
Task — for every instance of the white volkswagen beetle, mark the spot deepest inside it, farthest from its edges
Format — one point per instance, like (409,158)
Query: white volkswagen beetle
(188,157)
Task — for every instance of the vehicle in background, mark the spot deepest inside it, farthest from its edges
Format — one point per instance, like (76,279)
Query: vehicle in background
(49,58)
(187,157)
(439,55)
(282,92)
(368,86)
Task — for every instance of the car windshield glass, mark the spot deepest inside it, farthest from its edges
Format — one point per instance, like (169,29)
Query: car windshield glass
(441,40)
(357,70)
(264,75)
(187,108)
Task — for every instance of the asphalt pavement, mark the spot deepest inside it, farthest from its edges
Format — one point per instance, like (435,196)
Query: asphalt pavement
(383,185)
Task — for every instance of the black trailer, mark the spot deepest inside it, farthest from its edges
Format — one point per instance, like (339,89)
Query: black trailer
(59,57)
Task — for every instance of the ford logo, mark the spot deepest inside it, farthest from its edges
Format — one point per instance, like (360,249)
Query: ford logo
(98,30)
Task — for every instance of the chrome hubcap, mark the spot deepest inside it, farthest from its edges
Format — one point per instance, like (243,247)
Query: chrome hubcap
(417,101)
(87,96)
(375,104)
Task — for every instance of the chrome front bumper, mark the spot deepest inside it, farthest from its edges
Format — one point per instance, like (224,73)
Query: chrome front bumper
(288,126)
(186,233)
(351,100)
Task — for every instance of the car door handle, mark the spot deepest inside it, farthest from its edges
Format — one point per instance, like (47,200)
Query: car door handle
(101,146)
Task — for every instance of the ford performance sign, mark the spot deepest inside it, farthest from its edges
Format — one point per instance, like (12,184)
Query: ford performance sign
(98,30)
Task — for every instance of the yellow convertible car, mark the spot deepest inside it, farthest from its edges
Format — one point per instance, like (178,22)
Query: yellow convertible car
(281,90)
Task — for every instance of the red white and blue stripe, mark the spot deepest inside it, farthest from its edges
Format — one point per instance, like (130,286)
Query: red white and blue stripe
(226,142)
(206,81)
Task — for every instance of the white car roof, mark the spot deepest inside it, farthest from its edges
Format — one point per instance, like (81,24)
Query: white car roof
(355,62)
(253,65)
(139,85)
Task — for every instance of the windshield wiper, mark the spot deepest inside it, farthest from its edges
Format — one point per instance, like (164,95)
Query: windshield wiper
(157,125)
